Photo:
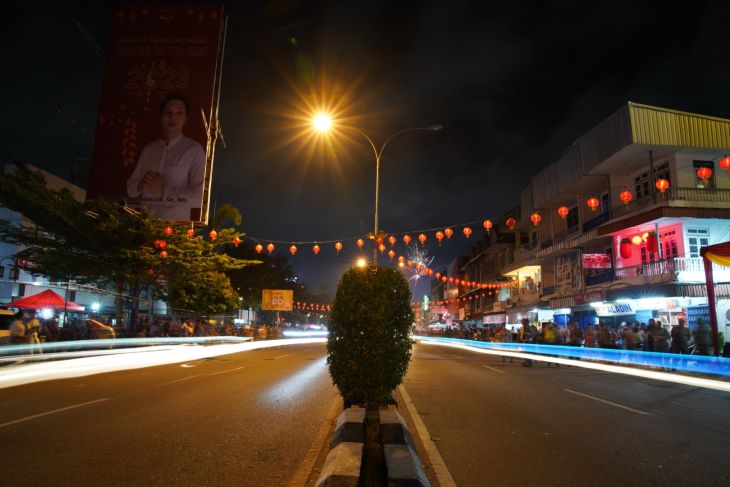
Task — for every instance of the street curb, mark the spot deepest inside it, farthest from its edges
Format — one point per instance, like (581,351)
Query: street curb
(342,465)
(401,457)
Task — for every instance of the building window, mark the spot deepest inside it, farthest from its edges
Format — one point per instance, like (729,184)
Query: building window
(572,219)
(644,182)
(533,239)
(669,244)
(700,183)
(696,239)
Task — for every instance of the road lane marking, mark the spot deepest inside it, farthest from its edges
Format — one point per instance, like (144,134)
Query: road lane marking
(179,380)
(607,402)
(492,368)
(434,457)
(226,371)
(306,467)
(280,356)
(53,411)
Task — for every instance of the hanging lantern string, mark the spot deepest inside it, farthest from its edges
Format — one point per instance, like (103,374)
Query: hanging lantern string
(348,239)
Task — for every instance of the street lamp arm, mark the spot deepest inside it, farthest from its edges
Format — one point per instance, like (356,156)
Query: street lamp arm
(382,148)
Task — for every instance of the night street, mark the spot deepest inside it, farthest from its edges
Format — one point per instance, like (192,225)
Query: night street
(243,419)
(500,423)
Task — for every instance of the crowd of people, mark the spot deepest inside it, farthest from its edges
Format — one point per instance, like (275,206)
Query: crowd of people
(653,336)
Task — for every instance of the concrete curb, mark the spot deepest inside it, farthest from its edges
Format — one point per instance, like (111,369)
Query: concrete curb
(342,465)
(401,457)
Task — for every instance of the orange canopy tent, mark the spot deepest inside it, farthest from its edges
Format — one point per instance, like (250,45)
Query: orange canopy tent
(714,254)
(46,299)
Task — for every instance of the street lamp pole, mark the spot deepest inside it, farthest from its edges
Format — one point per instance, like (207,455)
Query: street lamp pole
(378,155)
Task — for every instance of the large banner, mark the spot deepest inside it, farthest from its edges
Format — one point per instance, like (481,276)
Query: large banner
(151,146)
(277,299)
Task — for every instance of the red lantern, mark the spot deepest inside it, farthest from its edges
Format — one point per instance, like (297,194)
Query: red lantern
(593,203)
(439,236)
(315,249)
(381,248)
(444,279)
(626,196)
(392,240)
(725,163)
(704,173)
(467,232)
(163,254)
(488,225)
(236,241)
(535,218)
(391,254)
(360,242)
(563,212)
(168,230)
(511,222)
(422,238)
(448,232)
(379,240)
(652,243)
(410,264)
(401,259)
(338,247)
(190,232)
(270,248)
(625,249)
(406,239)
(150,271)
(259,248)
(662,185)
(293,249)
(213,234)
(438,275)
(160,244)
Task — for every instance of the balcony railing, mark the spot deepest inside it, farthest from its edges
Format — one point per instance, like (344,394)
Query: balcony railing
(597,221)
(599,278)
(686,269)
(683,194)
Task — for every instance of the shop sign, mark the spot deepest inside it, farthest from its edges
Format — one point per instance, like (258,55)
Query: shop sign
(590,297)
(596,261)
(495,319)
(438,310)
(545,315)
(614,309)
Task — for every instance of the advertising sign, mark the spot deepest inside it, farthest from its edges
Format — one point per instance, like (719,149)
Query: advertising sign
(614,309)
(596,261)
(568,275)
(277,299)
(152,145)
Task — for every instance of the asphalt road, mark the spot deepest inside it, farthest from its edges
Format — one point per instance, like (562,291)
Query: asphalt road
(501,424)
(247,419)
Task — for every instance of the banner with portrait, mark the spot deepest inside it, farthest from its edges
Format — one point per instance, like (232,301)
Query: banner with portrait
(152,145)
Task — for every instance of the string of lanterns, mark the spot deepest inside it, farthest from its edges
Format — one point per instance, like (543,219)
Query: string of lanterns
(626,196)
(302,306)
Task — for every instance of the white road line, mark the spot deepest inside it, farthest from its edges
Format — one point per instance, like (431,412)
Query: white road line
(608,402)
(281,356)
(492,368)
(226,371)
(434,457)
(53,411)
(180,380)
(304,471)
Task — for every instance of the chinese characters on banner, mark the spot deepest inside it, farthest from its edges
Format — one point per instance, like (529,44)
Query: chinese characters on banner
(568,274)
(153,141)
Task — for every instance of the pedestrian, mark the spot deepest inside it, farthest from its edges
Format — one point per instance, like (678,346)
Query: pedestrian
(526,337)
(680,340)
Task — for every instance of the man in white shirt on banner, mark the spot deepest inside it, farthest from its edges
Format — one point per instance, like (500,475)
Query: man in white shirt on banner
(170,172)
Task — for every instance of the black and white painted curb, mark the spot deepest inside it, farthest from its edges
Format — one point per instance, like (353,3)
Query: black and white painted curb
(342,465)
(401,457)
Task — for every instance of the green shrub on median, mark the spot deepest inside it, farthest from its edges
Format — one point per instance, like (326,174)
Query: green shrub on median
(369,345)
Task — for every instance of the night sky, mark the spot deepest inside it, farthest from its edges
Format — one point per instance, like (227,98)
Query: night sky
(512,83)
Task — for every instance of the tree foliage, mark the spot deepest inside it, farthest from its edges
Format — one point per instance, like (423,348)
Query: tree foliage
(369,347)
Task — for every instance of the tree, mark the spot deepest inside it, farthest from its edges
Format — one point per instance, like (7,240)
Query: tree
(369,345)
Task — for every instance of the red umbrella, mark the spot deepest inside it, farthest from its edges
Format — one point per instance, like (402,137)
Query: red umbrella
(46,299)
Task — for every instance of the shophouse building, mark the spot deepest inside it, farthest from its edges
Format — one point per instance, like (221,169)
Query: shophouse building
(612,230)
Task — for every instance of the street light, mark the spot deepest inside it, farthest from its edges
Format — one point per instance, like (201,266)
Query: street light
(323,123)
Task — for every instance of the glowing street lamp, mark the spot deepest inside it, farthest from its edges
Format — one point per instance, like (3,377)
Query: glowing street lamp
(361,263)
(323,123)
